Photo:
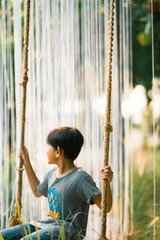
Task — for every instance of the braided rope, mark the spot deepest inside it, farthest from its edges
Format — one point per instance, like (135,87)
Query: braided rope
(16,217)
(107,127)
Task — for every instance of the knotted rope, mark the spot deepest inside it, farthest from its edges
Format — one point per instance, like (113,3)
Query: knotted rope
(16,217)
(107,127)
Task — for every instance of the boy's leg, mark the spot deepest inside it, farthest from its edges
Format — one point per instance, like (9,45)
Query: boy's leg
(41,234)
(17,232)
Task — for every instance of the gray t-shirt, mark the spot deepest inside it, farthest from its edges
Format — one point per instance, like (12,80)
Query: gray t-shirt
(69,198)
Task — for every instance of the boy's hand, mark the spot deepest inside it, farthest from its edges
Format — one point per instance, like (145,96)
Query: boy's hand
(106,173)
(25,155)
(33,180)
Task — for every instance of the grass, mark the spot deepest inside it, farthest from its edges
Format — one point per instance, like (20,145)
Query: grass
(1,238)
(144,221)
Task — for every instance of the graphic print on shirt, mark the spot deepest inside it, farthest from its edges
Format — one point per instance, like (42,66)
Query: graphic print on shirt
(55,204)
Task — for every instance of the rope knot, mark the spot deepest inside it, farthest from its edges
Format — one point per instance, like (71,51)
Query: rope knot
(19,169)
(108,127)
(24,81)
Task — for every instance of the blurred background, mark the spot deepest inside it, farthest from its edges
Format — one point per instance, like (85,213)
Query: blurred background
(68,57)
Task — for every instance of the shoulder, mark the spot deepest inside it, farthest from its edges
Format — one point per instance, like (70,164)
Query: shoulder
(82,175)
(51,172)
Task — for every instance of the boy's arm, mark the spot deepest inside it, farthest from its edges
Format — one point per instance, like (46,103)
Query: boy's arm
(106,174)
(97,199)
(32,178)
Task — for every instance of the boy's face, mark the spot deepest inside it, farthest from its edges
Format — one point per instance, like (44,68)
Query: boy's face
(52,155)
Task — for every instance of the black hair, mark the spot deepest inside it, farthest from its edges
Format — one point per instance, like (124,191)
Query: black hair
(67,138)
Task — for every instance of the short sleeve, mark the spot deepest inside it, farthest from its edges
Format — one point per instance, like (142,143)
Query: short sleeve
(43,187)
(88,189)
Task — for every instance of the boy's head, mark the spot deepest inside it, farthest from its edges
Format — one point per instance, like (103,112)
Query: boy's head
(67,138)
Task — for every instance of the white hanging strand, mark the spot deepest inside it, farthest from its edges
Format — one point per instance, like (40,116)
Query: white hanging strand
(154,133)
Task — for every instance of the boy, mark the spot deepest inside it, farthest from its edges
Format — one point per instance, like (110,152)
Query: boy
(70,190)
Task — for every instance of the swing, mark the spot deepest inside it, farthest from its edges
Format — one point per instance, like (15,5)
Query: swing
(16,217)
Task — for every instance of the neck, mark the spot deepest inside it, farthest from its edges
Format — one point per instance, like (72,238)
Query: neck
(65,166)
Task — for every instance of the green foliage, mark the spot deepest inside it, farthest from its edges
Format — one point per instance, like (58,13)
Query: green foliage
(142,44)
(142,57)
(143,204)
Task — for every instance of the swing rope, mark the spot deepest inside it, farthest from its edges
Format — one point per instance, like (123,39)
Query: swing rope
(16,217)
(107,128)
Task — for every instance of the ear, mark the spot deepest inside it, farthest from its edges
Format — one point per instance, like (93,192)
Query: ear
(59,152)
